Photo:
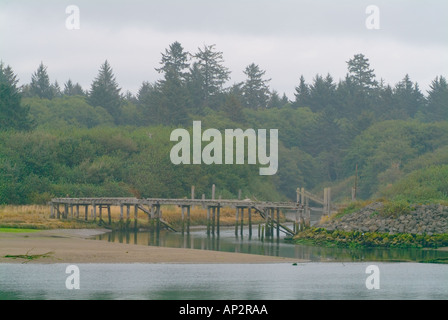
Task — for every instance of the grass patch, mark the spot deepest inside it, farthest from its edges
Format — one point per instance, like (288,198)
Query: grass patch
(357,239)
(29,256)
(394,209)
(38,218)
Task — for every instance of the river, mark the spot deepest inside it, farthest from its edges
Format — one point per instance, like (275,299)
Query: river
(331,273)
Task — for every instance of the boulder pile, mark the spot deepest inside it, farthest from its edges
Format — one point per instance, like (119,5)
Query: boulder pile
(421,219)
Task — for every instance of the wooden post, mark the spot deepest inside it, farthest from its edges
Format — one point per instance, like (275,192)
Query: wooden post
(183,219)
(94,211)
(158,215)
(208,220)
(109,216)
(296,224)
(213,220)
(236,221)
(65,211)
(77,211)
(278,222)
(218,213)
(307,212)
(213,192)
(58,213)
(242,221)
(192,193)
(128,212)
(121,212)
(135,216)
(86,212)
(266,213)
(101,212)
(250,222)
(188,219)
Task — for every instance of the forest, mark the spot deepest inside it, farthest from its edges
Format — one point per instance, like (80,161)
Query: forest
(388,140)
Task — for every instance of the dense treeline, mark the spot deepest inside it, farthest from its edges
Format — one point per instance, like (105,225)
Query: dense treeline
(102,142)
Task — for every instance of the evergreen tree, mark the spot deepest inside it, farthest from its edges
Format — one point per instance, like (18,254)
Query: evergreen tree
(275,102)
(12,114)
(437,107)
(361,88)
(174,62)
(211,71)
(360,72)
(408,98)
(194,84)
(40,83)
(233,108)
(385,101)
(71,89)
(7,76)
(302,94)
(322,95)
(255,88)
(57,93)
(105,92)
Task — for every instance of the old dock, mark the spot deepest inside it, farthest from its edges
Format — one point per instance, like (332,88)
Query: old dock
(82,208)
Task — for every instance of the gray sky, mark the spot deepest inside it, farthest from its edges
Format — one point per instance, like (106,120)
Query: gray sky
(287,38)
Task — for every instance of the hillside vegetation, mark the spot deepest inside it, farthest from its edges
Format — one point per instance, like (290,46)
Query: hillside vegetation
(57,142)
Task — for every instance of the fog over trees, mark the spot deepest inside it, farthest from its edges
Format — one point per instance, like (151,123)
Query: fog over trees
(104,141)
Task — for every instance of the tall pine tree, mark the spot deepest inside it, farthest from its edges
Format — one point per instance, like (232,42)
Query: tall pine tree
(437,107)
(105,92)
(40,83)
(255,89)
(12,114)
(211,71)
(175,62)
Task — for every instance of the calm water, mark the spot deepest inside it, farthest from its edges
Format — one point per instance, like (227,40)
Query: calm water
(227,241)
(331,274)
(404,281)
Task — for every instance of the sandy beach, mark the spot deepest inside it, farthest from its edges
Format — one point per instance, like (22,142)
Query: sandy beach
(74,246)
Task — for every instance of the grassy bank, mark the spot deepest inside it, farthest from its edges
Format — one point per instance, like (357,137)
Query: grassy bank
(32,217)
(356,239)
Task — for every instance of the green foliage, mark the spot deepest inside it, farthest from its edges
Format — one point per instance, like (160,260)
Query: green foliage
(356,239)
(105,92)
(67,111)
(40,83)
(395,209)
(103,143)
(421,186)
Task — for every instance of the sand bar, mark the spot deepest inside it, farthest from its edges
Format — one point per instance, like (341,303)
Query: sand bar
(73,246)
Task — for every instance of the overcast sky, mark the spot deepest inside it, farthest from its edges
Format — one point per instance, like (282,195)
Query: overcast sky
(287,38)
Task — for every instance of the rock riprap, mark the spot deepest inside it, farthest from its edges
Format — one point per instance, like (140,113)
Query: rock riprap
(419,219)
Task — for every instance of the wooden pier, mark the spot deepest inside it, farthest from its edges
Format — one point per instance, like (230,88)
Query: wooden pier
(78,208)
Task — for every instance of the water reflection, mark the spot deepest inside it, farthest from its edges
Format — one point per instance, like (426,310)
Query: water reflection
(228,242)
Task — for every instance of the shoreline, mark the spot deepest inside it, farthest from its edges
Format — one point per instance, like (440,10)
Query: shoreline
(75,246)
